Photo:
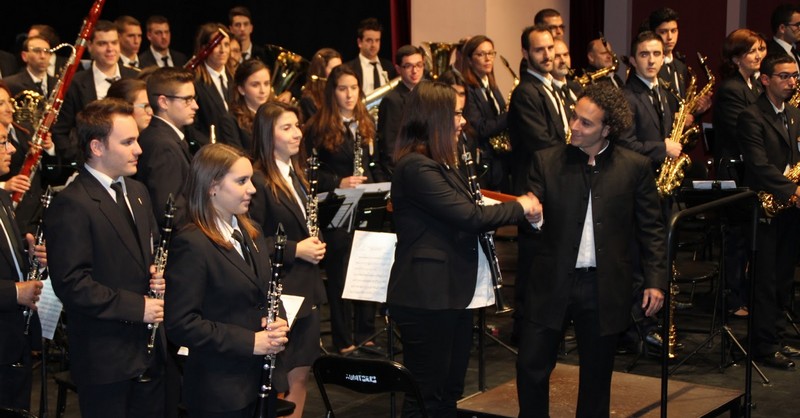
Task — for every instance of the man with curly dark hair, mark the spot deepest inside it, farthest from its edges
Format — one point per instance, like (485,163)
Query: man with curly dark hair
(583,270)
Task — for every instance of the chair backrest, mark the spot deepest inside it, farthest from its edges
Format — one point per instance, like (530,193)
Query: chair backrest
(364,376)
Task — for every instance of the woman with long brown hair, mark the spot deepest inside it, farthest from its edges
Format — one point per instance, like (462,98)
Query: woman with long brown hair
(342,133)
(320,67)
(253,88)
(282,198)
(218,272)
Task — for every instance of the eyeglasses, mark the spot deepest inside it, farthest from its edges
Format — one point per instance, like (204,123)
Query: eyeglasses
(786,76)
(187,100)
(408,66)
(4,144)
(482,55)
(45,51)
(796,25)
(554,27)
(143,106)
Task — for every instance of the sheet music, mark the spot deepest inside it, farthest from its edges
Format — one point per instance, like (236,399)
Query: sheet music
(49,309)
(371,259)
(375,187)
(291,304)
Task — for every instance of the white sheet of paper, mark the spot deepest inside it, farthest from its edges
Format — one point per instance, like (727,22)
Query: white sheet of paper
(291,304)
(709,184)
(371,259)
(375,187)
(49,309)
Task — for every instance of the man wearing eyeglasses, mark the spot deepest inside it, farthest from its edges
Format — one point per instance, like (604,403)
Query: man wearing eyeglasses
(553,20)
(785,22)
(89,85)
(410,66)
(768,132)
(36,55)
(164,163)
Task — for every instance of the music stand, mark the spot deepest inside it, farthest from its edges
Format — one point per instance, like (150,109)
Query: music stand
(370,214)
(327,208)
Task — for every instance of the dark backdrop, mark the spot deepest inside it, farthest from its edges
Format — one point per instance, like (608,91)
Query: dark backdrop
(302,26)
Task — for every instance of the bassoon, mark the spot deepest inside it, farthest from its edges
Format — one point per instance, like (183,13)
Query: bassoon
(56,98)
(206,50)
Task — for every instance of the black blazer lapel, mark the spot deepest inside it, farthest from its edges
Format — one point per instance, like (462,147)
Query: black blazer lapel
(5,200)
(773,119)
(294,207)
(237,260)
(555,118)
(142,214)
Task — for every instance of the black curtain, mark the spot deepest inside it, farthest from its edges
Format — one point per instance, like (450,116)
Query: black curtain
(586,20)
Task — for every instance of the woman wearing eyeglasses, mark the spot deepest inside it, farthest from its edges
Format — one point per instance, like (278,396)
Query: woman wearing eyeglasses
(486,109)
(133,91)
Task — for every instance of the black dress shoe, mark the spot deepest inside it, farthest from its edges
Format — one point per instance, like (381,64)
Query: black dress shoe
(789,351)
(777,361)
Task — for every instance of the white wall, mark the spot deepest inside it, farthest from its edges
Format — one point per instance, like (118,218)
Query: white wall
(501,20)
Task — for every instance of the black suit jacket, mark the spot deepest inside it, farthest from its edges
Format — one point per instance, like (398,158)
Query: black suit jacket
(338,164)
(387,65)
(437,223)
(730,99)
(147,59)
(12,320)
(101,274)
(533,124)
(8,64)
(645,135)
(215,304)
(773,48)
(80,93)
(301,277)
(390,113)
(22,81)
(676,75)
(164,164)
(212,112)
(768,148)
(625,210)
(478,111)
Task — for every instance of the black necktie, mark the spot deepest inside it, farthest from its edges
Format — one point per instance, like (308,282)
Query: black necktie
(165,59)
(135,64)
(248,257)
(5,217)
(491,100)
(376,76)
(123,206)
(795,55)
(348,134)
(244,56)
(298,186)
(659,110)
(784,120)
(111,80)
(223,87)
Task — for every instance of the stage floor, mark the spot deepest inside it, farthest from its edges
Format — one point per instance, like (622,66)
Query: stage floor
(631,396)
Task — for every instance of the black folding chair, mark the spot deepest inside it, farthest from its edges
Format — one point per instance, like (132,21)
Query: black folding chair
(361,375)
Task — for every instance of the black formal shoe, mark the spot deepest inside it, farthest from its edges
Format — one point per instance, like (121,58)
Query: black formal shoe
(777,361)
(654,338)
(789,351)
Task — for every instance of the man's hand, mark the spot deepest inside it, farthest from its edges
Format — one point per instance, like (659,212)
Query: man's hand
(18,183)
(38,251)
(28,293)
(674,149)
(153,310)
(652,301)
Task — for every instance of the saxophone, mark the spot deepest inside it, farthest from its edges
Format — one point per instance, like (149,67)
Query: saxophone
(501,143)
(160,261)
(35,272)
(672,170)
(591,77)
(773,206)
(312,203)
(274,290)
(795,99)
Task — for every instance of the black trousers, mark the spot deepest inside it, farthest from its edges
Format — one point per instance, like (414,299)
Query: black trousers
(436,346)
(16,381)
(127,398)
(538,350)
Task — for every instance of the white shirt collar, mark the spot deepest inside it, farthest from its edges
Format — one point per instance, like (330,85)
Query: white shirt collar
(546,79)
(785,45)
(158,56)
(647,83)
(177,131)
(100,84)
(106,180)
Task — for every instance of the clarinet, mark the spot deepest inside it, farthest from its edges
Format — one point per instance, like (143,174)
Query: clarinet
(161,261)
(34,273)
(485,238)
(273,305)
(358,155)
(312,203)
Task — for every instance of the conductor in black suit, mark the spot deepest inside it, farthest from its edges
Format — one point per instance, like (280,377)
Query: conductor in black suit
(583,271)
(101,228)
(15,346)
(372,70)
(768,133)
(165,159)
(89,85)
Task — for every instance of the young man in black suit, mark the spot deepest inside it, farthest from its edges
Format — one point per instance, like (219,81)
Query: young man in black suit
(89,85)
(652,117)
(36,56)
(165,159)
(159,53)
(411,66)
(103,230)
(768,132)
(240,23)
(370,69)
(15,346)
(584,273)
(130,40)
(785,22)
(57,61)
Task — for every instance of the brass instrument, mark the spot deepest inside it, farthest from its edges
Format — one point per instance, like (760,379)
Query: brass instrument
(771,205)
(312,202)
(486,239)
(438,58)
(28,107)
(160,261)
(501,143)
(373,99)
(288,68)
(274,290)
(35,273)
(795,99)
(672,170)
(592,77)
